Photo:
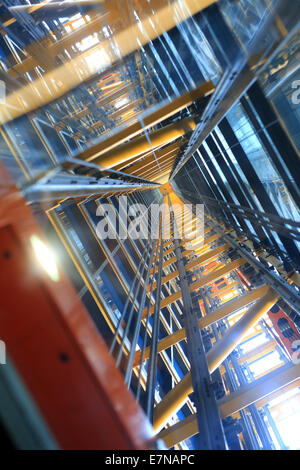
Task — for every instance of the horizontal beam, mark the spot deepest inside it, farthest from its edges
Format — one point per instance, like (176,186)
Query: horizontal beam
(161,154)
(125,42)
(258,352)
(164,112)
(155,171)
(212,254)
(204,322)
(278,283)
(253,392)
(143,144)
(175,399)
(200,283)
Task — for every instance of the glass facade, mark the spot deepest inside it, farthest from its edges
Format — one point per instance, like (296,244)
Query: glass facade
(165,103)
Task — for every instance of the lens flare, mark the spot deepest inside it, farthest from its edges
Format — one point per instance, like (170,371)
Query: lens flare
(45,258)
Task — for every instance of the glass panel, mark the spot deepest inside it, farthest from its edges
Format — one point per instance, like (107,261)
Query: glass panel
(216,165)
(253,343)
(246,17)
(262,366)
(28,145)
(262,164)
(53,140)
(113,67)
(281,83)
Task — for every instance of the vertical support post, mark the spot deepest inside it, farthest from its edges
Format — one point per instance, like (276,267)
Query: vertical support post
(211,433)
(274,427)
(129,366)
(152,367)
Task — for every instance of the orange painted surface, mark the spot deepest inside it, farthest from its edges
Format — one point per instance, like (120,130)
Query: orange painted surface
(55,346)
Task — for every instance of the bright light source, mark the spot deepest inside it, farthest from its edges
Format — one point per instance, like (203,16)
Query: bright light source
(289,429)
(254,343)
(45,257)
(79,21)
(263,365)
(87,42)
(121,102)
(97,60)
(227,296)
(284,397)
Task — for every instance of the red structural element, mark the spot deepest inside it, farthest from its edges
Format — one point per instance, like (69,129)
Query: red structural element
(56,348)
(219,284)
(243,278)
(285,329)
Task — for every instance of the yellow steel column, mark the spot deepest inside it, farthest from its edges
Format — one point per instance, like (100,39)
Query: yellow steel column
(205,244)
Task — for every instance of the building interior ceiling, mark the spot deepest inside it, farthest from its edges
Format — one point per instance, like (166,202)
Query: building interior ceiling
(150,224)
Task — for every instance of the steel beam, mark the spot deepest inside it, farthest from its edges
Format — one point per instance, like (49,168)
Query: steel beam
(202,260)
(211,433)
(161,155)
(142,144)
(219,314)
(280,285)
(202,282)
(164,112)
(175,399)
(152,366)
(125,41)
(75,179)
(260,389)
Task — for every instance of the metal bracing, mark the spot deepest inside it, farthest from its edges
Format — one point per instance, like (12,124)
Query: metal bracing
(269,221)
(209,423)
(280,285)
(237,74)
(266,386)
(140,145)
(245,249)
(176,397)
(218,353)
(108,102)
(73,179)
(124,311)
(219,350)
(163,20)
(153,356)
(149,121)
(219,314)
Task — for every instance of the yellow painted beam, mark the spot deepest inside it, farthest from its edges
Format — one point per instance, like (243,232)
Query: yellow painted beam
(260,389)
(126,41)
(258,352)
(194,263)
(175,399)
(198,284)
(156,117)
(141,144)
(205,244)
(161,154)
(225,290)
(204,322)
